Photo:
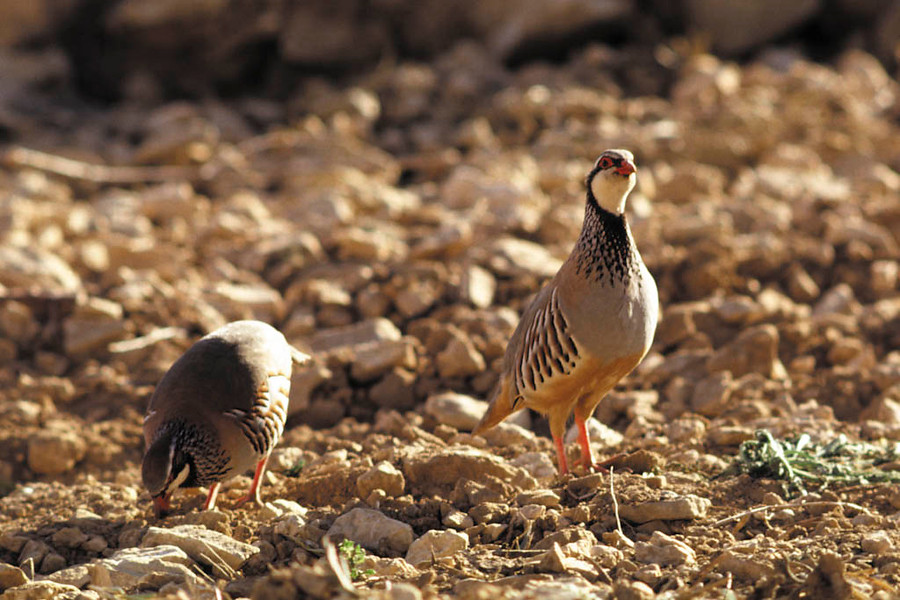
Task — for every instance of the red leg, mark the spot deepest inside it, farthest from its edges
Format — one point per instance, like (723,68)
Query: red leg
(253,492)
(561,455)
(211,497)
(587,457)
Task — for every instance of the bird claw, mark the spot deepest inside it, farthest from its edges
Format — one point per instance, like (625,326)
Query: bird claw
(612,461)
(596,468)
(245,499)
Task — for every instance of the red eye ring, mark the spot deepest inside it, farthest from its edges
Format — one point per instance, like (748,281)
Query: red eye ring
(605,162)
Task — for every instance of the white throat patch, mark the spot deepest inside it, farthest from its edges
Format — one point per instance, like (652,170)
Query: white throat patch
(611,190)
(179,479)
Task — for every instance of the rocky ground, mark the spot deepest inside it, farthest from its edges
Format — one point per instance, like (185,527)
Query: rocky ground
(394,225)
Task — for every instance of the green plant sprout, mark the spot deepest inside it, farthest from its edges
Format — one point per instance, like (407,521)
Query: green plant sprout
(355,555)
(294,470)
(800,462)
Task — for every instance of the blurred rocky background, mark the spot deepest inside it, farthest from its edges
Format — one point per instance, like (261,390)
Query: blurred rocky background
(388,182)
(149,51)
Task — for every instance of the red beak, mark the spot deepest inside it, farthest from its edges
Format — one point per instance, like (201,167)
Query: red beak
(161,506)
(627,168)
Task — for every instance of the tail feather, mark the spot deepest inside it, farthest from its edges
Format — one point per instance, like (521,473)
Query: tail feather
(299,356)
(498,409)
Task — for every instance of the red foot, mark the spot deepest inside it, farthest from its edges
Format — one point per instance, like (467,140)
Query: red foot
(210,503)
(253,492)
(561,455)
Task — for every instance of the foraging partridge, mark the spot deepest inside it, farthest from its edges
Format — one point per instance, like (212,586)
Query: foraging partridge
(218,411)
(590,326)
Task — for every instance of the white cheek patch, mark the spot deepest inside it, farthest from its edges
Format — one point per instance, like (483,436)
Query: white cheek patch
(179,479)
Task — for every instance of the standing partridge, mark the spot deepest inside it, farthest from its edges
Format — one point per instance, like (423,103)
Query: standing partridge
(218,411)
(590,326)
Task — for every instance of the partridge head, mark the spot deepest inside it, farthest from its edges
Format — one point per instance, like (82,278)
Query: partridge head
(218,411)
(590,325)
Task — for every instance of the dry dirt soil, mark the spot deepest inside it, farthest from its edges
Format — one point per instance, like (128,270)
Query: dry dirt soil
(395,225)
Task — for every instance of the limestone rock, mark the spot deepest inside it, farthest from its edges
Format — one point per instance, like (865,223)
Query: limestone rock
(686,430)
(392,568)
(350,336)
(512,256)
(553,560)
(459,358)
(556,560)
(456,410)
(43,590)
(755,350)
(729,435)
(633,590)
(678,508)
(374,359)
(29,268)
(434,545)
(711,395)
(383,476)
(369,245)
(246,301)
(131,15)
(544,497)
(838,300)
(601,434)
(664,550)
(11,576)
(69,537)
(448,466)
(93,325)
(457,519)
(538,464)
(53,451)
(478,286)
(203,545)
(303,381)
(877,543)
(744,566)
(607,556)
(17,322)
(372,530)
(507,434)
(291,526)
(135,350)
(129,567)
(395,390)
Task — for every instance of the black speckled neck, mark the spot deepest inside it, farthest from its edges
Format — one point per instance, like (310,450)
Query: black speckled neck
(200,449)
(605,251)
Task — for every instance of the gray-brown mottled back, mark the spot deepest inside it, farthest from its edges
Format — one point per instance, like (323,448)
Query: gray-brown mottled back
(218,411)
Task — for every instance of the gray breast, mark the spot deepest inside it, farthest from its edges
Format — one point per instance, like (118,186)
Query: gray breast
(618,319)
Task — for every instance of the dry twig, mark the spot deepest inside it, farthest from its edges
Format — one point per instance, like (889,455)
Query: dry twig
(813,504)
(612,492)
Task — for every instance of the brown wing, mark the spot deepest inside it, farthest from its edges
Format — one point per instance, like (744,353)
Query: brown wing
(546,349)
(263,423)
(541,353)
